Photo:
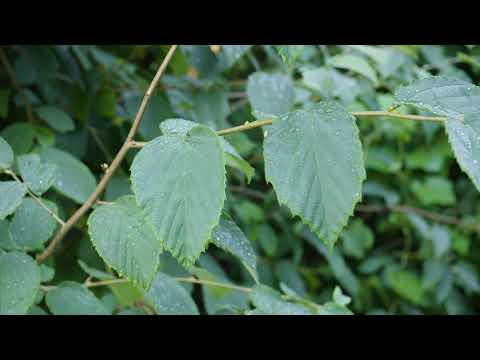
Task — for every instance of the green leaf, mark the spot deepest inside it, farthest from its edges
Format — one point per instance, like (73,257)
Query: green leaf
(270,94)
(72,178)
(125,240)
(6,155)
(19,283)
(70,298)
(106,102)
(211,108)
(354,63)
(229,54)
(47,273)
(332,308)
(11,193)
(183,201)
(32,225)
(435,190)
(357,239)
(37,176)
(269,302)
(233,159)
(228,236)
(168,297)
(339,298)
(56,118)
(290,53)
(6,241)
(94,273)
(459,101)
(127,294)
(314,160)
(407,285)
(20,137)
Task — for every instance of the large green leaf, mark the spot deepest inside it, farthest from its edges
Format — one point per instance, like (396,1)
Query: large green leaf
(6,154)
(56,118)
(32,225)
(38,176)
(168,297)
(179,181)
(314,160)
(72,178)
(270,94)
(459,101)
(70,298)
(11,193)
(125,240)
(228,236)
(19,283)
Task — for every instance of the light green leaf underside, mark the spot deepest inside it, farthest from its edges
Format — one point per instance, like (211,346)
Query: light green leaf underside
(314,160)
(32,225)
(232,157)
(355,64)
(19,283)
(72,177)
(168,297)
(6,154)
(459,101)
(38,176)
(56,118)
(125,240)
(228,236)
(179,181)
(269,302)
(11,193)
(270,94)
(71,298)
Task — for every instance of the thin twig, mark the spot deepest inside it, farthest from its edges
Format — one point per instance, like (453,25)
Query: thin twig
(11,75)
(37,199)
(440,218)
(114,165)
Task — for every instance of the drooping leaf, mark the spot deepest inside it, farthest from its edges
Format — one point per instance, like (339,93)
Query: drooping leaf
(19,283)
(11,193)
(19,136)
(70,298)
(270,94)
(355,64)
(168,297)
(183,202)
(125,240)
(72,178)
(56,118)
(94,273)
(32,225)
(314,160)
(233,159)
(38,176)
(228,236)
(6,155)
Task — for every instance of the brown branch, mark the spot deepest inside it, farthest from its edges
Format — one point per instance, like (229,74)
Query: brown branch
(115,163)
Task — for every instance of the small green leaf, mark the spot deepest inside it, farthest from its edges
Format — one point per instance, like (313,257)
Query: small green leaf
(357,239)
(234,159)
(125,240)
(355,64)
(37,176)
(269,302)
(435,190)
(183,202)
(106,102)
(70,298)
(20,137)
(168,297)
(72,178)
(270,94)
(314,160)
(94,273)
(228,236)
(19,283)
(32,225)
(56,118)
(6,155)
(407,285)
(11,193)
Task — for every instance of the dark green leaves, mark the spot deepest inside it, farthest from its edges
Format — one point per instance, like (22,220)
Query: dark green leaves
(125,240)
(314,160)
(19,283)
(56,118)
(179,181)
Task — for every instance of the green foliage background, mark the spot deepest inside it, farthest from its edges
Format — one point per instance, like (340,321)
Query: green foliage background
(410,248)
